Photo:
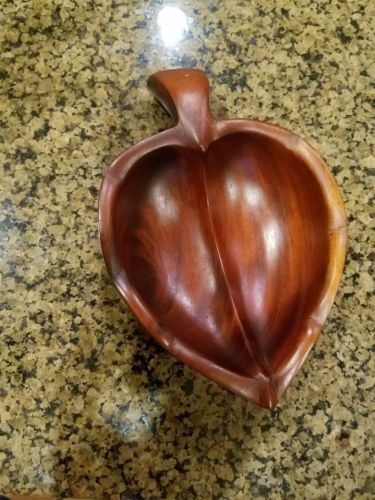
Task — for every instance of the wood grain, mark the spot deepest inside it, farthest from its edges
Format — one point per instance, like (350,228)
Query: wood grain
(226,238)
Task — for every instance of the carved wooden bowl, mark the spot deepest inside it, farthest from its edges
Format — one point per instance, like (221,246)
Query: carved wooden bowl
(226,238)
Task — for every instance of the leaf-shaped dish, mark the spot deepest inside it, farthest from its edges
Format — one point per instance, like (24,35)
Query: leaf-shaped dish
(226,238)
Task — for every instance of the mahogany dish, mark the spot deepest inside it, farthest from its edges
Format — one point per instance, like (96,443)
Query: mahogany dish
(226,238)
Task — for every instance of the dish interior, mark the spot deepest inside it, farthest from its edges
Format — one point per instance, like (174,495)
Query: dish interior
(227,250)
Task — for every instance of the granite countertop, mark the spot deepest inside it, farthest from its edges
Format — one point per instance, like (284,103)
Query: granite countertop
(90,406)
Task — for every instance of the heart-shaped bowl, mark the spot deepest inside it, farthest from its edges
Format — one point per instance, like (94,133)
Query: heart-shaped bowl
(226,238)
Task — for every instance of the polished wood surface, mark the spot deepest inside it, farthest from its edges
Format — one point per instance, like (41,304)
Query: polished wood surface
(226,238)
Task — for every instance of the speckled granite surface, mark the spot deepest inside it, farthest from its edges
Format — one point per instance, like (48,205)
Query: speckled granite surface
(89,405)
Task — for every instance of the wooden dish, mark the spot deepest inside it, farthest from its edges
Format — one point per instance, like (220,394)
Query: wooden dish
(226,238)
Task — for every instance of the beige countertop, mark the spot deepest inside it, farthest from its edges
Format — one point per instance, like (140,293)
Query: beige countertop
(90,406)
